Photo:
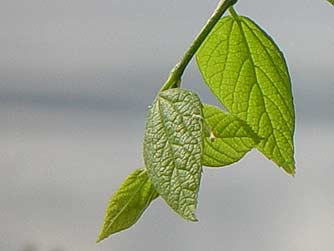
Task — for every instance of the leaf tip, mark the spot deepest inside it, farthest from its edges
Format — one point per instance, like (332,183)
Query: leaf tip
(99,238)
(193,218)
(289,169)
(102,235)
(293,174)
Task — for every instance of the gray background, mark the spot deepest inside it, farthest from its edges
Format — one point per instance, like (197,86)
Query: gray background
(75,80)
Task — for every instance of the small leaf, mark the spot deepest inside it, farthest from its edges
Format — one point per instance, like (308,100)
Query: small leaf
(128,203)
(230,138)
(331,1)
(173,146)
(247,72)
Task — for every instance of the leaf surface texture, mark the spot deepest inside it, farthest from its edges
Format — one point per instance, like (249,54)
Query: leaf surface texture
(173,144)
(247,72)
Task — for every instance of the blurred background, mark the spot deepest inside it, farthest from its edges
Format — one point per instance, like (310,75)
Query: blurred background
(76,78)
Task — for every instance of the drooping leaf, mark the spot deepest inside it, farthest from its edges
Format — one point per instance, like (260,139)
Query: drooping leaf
(247,72)
(128,203)
(173,146)
(229,140)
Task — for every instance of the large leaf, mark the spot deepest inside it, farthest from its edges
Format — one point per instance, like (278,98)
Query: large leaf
(229,140)
(128,203)
(247,72)
(173,145)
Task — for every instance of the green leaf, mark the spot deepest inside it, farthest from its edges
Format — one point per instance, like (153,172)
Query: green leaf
(247,72)
(173,146)
(331,1)
(128,203)
(229,140)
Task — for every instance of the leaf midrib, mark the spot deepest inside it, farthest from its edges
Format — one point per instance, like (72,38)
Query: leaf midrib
(129,201)
(170,143)
(256,83)
(273,62)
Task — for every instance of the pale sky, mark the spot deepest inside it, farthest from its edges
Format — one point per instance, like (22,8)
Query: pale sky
(113,54)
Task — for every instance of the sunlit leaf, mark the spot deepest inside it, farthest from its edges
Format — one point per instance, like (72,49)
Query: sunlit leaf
(128,203)
(247,72)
